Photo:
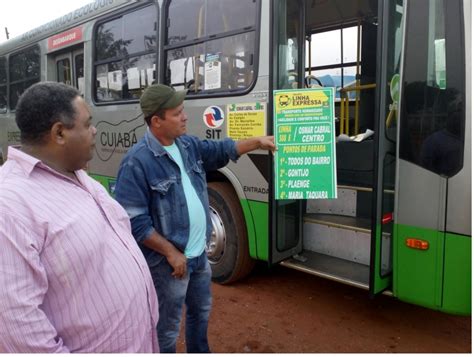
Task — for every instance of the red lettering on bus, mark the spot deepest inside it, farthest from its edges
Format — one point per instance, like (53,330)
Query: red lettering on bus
(65,38)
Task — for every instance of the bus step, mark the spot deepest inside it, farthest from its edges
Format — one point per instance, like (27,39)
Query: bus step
(351,201)
(354,188)
(337,236)
(361,188)
(339,221)
(332,268)
(345,204)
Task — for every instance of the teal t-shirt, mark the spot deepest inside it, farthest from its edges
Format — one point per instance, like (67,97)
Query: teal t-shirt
(197,215)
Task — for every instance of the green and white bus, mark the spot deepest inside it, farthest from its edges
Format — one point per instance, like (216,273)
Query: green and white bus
(401,223)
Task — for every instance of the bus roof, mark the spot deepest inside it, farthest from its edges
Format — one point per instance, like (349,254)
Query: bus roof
(76,17)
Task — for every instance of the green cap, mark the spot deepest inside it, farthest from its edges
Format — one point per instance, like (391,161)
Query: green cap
(160,96)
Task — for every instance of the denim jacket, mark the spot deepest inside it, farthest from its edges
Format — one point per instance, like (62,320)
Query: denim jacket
(149,187)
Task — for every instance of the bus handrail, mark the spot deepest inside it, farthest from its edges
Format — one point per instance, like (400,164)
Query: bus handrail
(344,122)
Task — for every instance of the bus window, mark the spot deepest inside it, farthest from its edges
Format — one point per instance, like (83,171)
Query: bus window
(190,19)
(432,110)
(125,55)
(184,67)
(213,51)
(139,31)
(109,82)
(63,68)
(24,69)
(186,21)
(79,72)
(288,51)
(140,72)
(3,85)
(233,15)
(223,64)
(108,42)
(333,59)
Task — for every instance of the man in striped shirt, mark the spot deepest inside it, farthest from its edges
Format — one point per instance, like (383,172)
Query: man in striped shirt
(72,277)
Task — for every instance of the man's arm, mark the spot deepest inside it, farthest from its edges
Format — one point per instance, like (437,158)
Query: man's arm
(24,327)
(261,142)
(131,191)
(174,257)
(217,153)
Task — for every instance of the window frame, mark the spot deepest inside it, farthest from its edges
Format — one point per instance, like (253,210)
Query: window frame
(5,85)
(341,65)
(58,75)
(454,34)
(202,40)
(25,79)
(111,17)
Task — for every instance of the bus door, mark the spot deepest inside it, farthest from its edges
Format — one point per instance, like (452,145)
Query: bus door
(356,52)
(432,260)
(288,66)
(387,97)
(69,68)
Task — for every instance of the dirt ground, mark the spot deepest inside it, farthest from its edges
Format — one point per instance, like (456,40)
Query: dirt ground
(282,310)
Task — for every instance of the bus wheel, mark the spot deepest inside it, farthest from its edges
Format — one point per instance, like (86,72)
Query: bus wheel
(228,250)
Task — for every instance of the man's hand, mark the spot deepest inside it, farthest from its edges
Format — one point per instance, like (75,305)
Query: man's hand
(261,142)
(178,261)
(267,143)
(175,258)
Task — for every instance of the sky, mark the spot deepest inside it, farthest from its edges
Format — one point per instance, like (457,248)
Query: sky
(20,16)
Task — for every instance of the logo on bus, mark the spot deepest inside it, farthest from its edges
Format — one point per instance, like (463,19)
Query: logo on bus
(213,117)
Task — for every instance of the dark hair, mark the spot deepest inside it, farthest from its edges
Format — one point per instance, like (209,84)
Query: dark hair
(41,106)
(160,113)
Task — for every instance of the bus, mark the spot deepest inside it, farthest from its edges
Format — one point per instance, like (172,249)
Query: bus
(401,76)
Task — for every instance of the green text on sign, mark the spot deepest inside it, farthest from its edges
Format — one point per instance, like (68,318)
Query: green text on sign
(305,163)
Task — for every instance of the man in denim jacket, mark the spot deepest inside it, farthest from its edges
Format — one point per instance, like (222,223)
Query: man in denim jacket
(162,185)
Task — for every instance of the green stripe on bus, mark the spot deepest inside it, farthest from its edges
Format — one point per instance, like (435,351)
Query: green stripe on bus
(439,277)
(457,274)
(382,280)
(107,181)
(256,218)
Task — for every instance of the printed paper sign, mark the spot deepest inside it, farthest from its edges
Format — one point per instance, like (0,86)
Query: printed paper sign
(212,72)
(246,120)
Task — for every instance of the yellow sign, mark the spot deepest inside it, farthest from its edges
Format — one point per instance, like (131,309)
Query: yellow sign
(246,120)
(286,101)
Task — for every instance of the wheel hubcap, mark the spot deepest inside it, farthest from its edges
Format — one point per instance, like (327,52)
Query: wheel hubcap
(216,247)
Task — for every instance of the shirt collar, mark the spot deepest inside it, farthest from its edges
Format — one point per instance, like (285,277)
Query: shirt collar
(28,163)
(156,147)
(153,144)
(25,161)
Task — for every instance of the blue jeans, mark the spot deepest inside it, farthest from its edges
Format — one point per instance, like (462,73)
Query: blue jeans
(194,290)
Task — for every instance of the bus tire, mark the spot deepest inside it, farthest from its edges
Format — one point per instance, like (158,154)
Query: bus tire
(228,249)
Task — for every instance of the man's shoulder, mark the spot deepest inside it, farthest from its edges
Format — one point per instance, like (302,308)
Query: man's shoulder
(11,176)
(15,187)
(189,140)
(138,150)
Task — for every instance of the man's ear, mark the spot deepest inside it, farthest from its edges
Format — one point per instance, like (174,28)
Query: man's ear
(155,121)
(57,133)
